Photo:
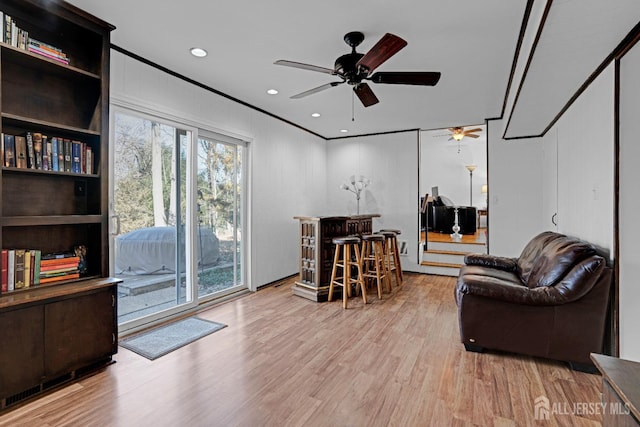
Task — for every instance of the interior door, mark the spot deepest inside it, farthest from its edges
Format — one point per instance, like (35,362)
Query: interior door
(550,180)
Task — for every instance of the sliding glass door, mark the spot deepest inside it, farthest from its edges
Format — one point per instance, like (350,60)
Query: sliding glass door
(177,201)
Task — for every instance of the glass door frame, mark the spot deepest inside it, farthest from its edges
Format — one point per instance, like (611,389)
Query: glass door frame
(241,144)
(197,130)
(191,291)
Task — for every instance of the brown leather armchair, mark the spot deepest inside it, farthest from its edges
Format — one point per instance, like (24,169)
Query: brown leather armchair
(550,302)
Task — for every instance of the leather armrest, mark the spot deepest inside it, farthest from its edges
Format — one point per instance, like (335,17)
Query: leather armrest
(574,286)
(485,260)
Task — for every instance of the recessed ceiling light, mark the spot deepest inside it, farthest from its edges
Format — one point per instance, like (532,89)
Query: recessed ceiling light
(272,92)
(315,114)
(344,130)
(199,52)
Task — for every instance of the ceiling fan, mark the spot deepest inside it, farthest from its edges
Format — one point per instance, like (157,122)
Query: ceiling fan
(355,68)
(458,133)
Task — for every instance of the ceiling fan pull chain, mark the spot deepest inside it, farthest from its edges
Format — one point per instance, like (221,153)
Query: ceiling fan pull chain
(353,114)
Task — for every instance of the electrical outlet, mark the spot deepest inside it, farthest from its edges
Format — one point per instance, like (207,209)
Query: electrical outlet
(80,188)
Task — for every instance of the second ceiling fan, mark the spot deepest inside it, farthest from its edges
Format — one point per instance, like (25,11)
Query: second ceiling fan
(356,68)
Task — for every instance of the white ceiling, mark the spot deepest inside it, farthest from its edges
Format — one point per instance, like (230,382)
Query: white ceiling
(472,43)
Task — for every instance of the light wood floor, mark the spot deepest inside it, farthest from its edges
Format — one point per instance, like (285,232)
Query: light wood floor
(284,360)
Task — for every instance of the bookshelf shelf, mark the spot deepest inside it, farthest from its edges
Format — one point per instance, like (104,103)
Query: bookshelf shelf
(42,125)
(23,55)
(66,320)
(31,221)
(52,173)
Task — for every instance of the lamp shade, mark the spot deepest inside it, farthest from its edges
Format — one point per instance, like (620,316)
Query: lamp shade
(484,189)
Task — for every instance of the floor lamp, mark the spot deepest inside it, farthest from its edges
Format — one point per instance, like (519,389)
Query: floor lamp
(471,168)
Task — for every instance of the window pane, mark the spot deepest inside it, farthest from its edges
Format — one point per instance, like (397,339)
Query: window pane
(148,202)
(219,195)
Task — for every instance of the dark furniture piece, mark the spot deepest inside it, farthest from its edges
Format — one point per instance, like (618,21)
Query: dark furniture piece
(549,302)
(620,391)
(53,333)
(317,250)
(441,216)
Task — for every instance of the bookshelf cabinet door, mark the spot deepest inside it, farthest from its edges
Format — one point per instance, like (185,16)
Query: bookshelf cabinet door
(79,331)
(22,355)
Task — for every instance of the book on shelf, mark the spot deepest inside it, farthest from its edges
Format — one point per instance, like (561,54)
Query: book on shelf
(21,151)
(9,150)
(45,280)
(37,149)
(31,157)
(11,271)
(35,266)
(28,274)
(4,284)
(67,155)
(76,154)
(46,158)
(54,154)
(19,268)
(89,161)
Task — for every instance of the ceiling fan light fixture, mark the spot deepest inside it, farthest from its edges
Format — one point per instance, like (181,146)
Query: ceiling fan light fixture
(458,136)
(198,52)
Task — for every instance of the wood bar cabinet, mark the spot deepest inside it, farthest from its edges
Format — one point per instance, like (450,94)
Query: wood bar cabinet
(317,250)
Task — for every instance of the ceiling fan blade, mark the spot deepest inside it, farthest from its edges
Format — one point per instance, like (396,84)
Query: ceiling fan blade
(424,78)
(305,66)
(316,90)
(365,94)
(471,135)
(386,47)
(474,130)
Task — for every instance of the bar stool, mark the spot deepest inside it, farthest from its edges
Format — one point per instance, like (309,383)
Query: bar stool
(392,254)
(373,264)
(346,245)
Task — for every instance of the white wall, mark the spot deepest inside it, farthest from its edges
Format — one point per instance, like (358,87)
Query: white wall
(391,163)
(443,166)
(287,169)
(586,164)
(515,191)
(629,225)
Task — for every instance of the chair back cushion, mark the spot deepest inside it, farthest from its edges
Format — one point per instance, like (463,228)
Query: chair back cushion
(550,258)
(531,252)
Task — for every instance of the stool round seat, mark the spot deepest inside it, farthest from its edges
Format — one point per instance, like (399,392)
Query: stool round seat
(372,238)
(350,240)
(387,233)
(392,230)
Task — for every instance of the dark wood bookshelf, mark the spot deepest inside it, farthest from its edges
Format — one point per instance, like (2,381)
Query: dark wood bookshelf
(57,330)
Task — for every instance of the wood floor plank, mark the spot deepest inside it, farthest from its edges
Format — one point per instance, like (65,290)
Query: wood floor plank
(287,361)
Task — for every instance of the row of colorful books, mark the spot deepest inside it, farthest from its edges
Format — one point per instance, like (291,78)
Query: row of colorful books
(25,268)
(15,36)
(38,151)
